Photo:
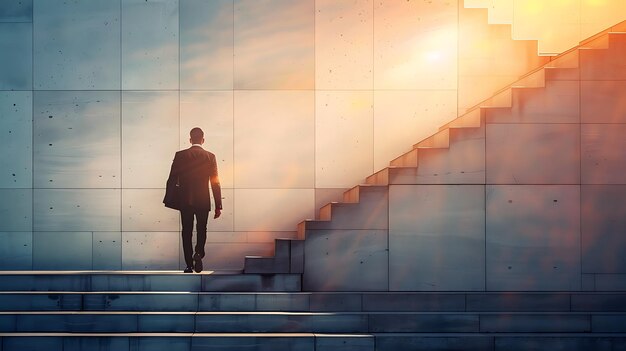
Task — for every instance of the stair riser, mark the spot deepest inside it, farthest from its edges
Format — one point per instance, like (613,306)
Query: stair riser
(562,74)
(266,265)
(317,302)
(407,160)
(296,261)
(312,323)
(288,258)
(378,178)
(325,213)
(354,195)
(151,282)
(310,342)
(167,343)
(500,100)
(472,119)
(439,140)
(184,324)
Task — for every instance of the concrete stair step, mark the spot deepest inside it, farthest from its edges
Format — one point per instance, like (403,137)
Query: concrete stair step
(596,42)
(408,159)
(168,341)
(310,322)
(266,265)
(288,258)
(605,40)
(202,322)
(441,139)
(564,67)
(354,194)
(471,119)
(310,341)
(557,73)
(569,59)
(326,211)
(145,281)
(555,302)
(620,27)
(379,178)
(500,99)
(535,79)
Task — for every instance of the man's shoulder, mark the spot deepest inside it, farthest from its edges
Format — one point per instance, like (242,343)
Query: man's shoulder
(180,153)
(195,151)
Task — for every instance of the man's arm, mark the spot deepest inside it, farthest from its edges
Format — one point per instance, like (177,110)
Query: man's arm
(172,180)
(170,199)
(214,179)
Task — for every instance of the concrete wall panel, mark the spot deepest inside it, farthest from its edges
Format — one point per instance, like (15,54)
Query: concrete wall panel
(76,139)
(362,255)
(533,237)
(150,44)
(436,237)
(533,154)
(603,227)
(16,126)
(77,45)
(16,44)
(603,159)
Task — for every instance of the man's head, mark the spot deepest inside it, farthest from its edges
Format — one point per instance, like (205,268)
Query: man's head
(196,136)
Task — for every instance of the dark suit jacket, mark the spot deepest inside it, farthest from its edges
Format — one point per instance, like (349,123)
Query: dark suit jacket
(193,170)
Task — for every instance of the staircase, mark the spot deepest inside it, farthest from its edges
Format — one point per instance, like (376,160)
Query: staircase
(173,311)
(333,288)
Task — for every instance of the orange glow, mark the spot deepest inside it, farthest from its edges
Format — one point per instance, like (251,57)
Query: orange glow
(532,7)
(595,2)
(557,24)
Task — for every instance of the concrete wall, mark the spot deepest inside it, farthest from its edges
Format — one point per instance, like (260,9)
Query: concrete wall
(299,100)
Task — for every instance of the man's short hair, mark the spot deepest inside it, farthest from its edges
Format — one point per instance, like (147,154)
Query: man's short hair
(196,135)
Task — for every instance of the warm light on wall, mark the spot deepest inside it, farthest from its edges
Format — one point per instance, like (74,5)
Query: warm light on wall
(532,7)
(595,2)
(557,24)
(438,48)
(433,56)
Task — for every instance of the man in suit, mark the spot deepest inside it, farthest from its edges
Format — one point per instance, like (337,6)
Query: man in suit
(192,171)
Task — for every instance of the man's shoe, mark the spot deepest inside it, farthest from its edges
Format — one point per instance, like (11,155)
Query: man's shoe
(188,270)
(197,263)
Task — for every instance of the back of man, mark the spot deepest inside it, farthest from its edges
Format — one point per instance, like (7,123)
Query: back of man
(194,175)
(192,171)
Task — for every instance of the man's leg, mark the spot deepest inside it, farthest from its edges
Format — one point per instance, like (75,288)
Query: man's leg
(202,216)
(186,218)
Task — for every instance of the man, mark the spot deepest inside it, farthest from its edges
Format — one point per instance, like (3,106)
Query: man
(188,191)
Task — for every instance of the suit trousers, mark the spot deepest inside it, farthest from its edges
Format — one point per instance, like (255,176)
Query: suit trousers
(186,217)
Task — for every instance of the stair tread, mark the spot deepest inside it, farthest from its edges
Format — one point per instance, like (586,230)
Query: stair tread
(364,293)
(427,334)
(183,334)
(164,272)
(316,313)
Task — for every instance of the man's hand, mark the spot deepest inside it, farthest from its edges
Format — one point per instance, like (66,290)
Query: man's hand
(218,212)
